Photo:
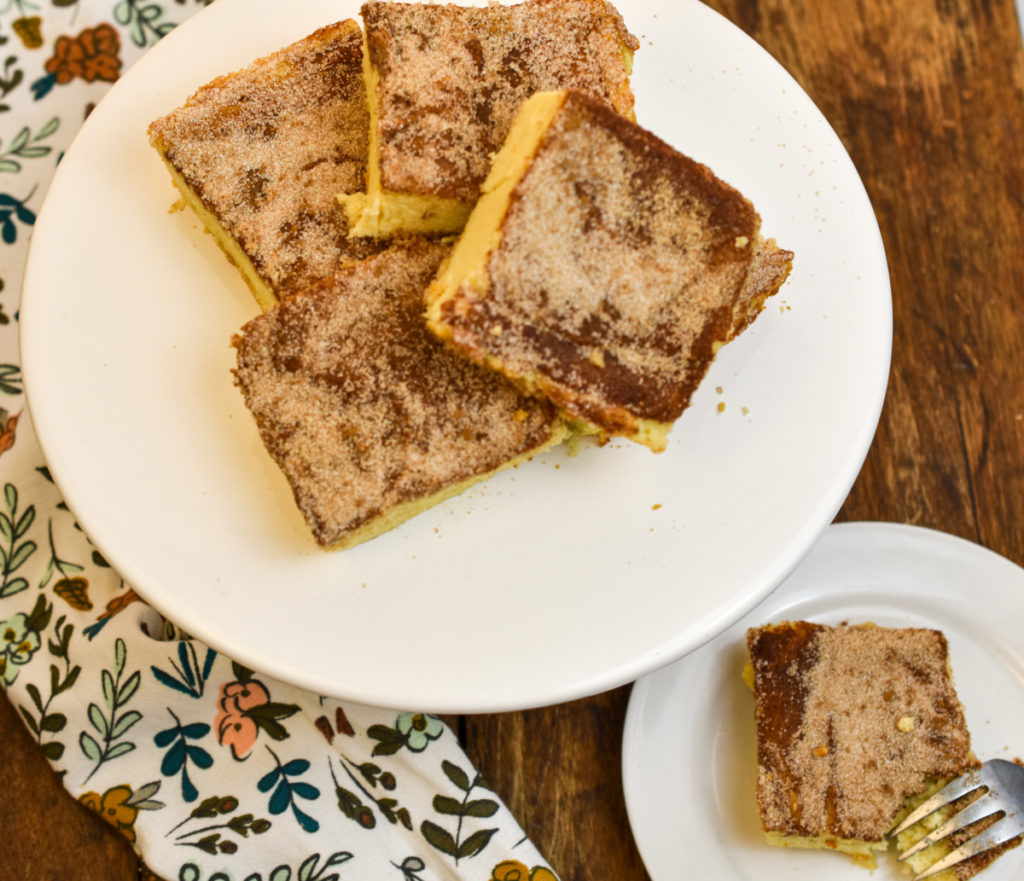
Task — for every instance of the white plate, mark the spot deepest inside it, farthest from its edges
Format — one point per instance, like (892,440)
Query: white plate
(689,759)
(559,579)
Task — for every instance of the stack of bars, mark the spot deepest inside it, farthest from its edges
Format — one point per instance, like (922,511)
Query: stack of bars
(465,247)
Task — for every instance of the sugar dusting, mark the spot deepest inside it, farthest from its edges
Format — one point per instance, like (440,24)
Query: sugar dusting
(851,721)
(267,149)
(362,408)
(452,79)
(617,270)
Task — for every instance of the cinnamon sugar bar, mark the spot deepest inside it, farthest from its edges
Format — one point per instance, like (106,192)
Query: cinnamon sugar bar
(444,84)
(602,268)
(370,417)
(261,155)
(853,722)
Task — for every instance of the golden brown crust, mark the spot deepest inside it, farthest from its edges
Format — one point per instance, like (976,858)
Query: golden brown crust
(851,722)
(267,150)
(363,409)
(440,120)
(618,269)
(768,270)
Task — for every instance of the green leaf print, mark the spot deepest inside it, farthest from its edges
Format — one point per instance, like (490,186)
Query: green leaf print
(41,720)
(26,146)
(452,843)
(107,745)
(15,549)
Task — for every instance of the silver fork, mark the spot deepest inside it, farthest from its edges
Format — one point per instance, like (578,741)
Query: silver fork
(1004,782)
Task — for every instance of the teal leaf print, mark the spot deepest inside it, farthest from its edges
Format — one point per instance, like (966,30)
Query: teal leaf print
(180,753)
(42,86)
(114,724)
(189,676)
(11,209)
(285,790)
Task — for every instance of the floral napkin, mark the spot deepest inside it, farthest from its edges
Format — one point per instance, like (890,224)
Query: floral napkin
(212,771)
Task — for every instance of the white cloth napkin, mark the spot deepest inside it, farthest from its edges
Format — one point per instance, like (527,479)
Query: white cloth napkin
(212,771)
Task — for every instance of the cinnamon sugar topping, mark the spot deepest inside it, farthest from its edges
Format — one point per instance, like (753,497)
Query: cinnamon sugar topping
(267,150)
(364,410)
(453,77)
(851,721)
(616,274)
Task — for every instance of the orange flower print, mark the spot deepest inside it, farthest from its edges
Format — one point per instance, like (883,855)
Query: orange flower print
(244,708)
(8,424)
(92,55)
(513,870)
(235,727)
(112,806)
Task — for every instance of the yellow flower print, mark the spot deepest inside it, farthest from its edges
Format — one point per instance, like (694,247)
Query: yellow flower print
(112,806)
(29,29)
(75,592)
(513,870)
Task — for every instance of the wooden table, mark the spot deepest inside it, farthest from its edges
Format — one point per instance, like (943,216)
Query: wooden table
(928,97)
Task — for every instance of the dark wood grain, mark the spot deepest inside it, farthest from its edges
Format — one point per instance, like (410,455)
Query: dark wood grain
(928,97)
(48,836)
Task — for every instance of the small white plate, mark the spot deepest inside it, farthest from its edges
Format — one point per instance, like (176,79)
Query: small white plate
(689,760)
(558,579)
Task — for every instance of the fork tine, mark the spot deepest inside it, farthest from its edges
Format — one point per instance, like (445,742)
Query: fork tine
(998,833)
(950,792)
(977,810)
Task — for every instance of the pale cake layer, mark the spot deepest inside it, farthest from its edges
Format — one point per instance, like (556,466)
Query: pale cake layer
(445,83)
(368,415)
(261,155)
(602,268)
(852,722)
(924,859)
